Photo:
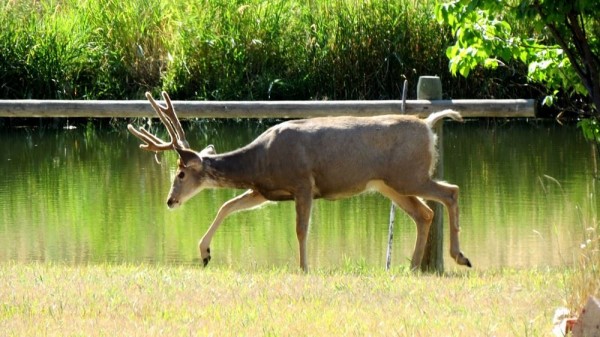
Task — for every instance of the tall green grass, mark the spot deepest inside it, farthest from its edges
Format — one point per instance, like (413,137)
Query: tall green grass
(221,50)
(585,280)
(80,49)
(285,49)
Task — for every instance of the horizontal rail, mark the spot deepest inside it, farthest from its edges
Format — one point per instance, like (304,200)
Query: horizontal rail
(266,109)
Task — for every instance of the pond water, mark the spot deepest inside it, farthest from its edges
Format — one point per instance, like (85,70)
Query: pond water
(91,196)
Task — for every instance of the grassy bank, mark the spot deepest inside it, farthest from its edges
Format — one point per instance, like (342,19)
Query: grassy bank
(40,300)
(229,50)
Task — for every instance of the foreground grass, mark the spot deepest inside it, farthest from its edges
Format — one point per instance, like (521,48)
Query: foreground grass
(108,300)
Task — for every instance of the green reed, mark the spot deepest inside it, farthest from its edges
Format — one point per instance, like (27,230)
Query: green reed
(339,49)
(585,280)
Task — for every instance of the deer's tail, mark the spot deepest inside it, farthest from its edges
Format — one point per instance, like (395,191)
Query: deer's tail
(436,116)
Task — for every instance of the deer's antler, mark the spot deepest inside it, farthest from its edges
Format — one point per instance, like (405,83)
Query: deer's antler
(169,119)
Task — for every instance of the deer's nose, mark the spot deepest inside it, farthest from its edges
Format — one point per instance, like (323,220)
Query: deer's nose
(172,203)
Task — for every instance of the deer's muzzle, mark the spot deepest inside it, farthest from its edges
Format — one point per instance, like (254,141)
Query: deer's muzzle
(172,203)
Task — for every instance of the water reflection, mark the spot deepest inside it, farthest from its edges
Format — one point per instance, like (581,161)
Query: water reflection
(86,196)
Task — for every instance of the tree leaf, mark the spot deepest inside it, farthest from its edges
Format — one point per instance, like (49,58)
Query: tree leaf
(491,63)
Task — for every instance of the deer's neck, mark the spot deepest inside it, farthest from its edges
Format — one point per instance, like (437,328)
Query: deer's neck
(232,170)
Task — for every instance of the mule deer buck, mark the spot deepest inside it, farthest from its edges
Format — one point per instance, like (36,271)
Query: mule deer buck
(328,157)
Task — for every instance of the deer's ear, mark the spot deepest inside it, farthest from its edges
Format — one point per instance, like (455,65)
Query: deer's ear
(189,158)
(209,150)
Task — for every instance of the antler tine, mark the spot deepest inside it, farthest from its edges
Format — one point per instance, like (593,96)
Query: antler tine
(165,119)
(153,143)
(169,119)
(169,111)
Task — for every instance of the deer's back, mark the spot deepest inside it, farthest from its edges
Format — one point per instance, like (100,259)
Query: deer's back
(341,155)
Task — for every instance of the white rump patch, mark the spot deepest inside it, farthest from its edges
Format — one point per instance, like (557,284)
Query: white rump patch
(433,151)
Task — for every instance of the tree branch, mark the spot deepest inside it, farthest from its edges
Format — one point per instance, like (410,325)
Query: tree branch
(561,41)
(589,60)
(582,58)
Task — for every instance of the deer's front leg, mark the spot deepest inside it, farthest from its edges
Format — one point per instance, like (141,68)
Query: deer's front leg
(303,209)
(247,200)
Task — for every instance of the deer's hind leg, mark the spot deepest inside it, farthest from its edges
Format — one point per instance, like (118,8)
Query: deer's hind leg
(419,212)
(447,194)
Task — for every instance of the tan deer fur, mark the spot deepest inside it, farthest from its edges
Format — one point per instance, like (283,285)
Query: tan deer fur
(327,157)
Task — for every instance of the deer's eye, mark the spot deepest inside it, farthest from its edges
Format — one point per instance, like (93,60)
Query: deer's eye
(181,175)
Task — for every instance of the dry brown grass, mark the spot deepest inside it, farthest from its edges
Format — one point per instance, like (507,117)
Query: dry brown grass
(108,300)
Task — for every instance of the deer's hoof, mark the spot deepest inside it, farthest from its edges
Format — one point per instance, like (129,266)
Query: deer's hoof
(462,260)
(206,260)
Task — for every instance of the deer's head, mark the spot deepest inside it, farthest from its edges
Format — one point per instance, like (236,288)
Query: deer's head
(190,177)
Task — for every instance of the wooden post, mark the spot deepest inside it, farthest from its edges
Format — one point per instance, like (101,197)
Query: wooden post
(430,88)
